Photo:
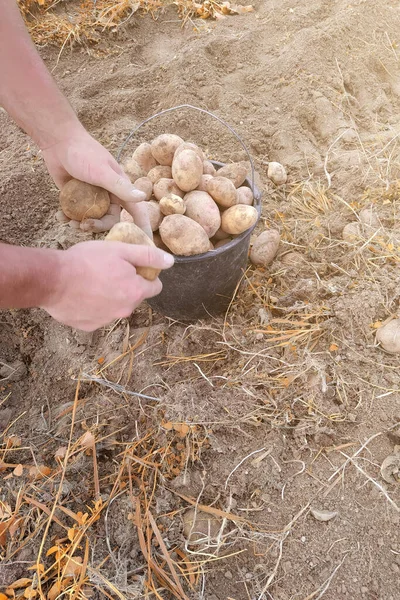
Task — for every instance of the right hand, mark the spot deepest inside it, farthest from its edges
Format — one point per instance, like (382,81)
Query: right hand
(97,282)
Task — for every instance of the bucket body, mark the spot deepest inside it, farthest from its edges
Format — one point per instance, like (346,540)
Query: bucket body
(203,285)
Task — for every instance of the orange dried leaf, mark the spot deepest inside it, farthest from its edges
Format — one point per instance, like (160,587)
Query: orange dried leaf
(333,348)
(376,325)
(52,550)
(101,360)
(39,567)
(72,534)
(30,592)
(3,596)
(167,425)
(57,588)
(39,471)
(20,583)
(18,470)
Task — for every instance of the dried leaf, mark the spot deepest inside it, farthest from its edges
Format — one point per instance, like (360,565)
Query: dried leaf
(61,452)
(333,348)
(52,550)
(73,566)
(39,472)
(323,515)
(3,596)
(38,567)
(87,440)
(18,471)
(20,583)
(57,588)
(30,592)
(101,360)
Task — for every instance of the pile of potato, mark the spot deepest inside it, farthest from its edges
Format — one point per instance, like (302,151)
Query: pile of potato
(192,207)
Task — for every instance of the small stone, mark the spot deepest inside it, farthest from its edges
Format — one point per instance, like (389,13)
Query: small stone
(303,538)
(352,417)
(228,575)
(249,576)
(395,568)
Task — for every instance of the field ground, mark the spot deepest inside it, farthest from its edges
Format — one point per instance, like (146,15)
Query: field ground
(285,407)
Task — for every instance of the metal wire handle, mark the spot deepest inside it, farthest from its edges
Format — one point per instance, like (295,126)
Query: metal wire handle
(202,110)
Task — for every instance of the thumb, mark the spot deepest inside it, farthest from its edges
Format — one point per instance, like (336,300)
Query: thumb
(119,184)
(147,256)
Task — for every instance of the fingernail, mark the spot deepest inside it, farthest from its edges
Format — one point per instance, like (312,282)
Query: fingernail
(139,195)
(168,259)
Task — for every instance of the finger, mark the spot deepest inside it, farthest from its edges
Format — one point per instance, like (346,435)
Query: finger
(120,185)
(150,289)
(145,256)
(99,225)
(141,217)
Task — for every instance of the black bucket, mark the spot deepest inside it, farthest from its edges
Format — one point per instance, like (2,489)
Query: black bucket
(203,285)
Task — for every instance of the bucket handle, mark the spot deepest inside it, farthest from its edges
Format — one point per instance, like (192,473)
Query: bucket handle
(202,110)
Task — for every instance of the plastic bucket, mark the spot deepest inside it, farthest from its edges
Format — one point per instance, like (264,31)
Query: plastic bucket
(203,285)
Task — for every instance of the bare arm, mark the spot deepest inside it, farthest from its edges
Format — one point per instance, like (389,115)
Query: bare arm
(30,95)
(86,286)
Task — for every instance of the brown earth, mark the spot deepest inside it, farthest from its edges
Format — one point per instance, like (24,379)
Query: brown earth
(316,86)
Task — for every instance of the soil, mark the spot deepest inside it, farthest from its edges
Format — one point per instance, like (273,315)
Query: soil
(274,416)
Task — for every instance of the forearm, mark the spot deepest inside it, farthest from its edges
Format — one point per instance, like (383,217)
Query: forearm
(27,90)
(28,276)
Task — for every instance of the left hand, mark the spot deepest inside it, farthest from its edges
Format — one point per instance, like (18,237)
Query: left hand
(80,156)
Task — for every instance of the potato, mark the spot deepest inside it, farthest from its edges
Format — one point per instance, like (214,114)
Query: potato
(144,185)
(265,248)
(389,336)
(144,157)
(133,170)
(172,205)
(164,147)
(201,208)
(222,191)
(183,236)
(245,195)
(163,187)
(221,243)
(220,235)
(158,173)
(81,200)
(187,169)
(208,168)
(277,173)
(190,146)
(155,214)
(202,187)
(236,172)
(238,219)
(129,233)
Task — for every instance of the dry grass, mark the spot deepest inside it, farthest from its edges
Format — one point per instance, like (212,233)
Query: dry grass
(84,22)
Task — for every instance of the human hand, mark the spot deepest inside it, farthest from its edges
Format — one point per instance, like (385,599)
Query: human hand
(80,156)
(97,282)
